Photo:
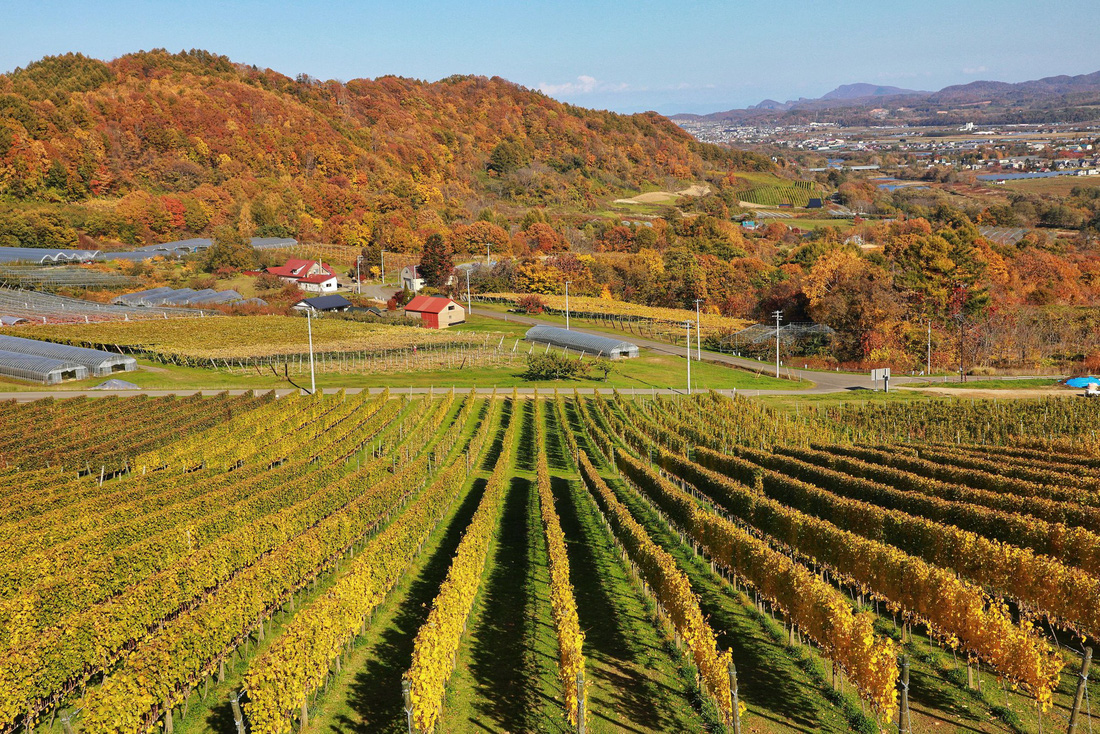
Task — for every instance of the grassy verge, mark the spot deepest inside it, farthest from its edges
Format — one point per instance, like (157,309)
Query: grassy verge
(652,370)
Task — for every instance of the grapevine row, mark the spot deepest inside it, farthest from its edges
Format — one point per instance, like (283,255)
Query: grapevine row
(50,662)
(1075,546)
(814,606)
(1054,512)
(163,667)
(976,474)
(562,602)
(957,609)
(106,563)
(299,661)
(437,642)
(134,509)
(669,584)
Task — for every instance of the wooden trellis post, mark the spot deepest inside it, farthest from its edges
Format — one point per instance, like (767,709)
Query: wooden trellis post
(905,726)
(1082,682)
(735,704)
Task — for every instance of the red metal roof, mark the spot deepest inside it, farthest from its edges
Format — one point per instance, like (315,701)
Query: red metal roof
(428,304)
(296,269)
(316,279)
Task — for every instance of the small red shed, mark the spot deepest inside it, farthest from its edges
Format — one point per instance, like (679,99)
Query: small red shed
(436,312)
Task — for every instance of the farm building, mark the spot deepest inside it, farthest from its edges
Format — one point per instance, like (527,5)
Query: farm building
(92,361)
(39,369)
(321,283)
(597,346)
(410,279)
(309,275)
(436,312)
(323,303)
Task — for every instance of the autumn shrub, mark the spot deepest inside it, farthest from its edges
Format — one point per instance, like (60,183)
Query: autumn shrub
(555,366)
(268,282)
(531,303)
(1092,361)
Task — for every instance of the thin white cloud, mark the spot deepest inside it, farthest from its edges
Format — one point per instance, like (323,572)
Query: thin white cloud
(584,84)
(975,70)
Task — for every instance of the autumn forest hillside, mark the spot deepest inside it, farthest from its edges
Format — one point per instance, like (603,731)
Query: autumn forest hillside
(155,145)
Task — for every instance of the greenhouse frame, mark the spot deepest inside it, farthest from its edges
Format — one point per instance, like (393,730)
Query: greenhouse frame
(597,346)
(93,361)
(45,370)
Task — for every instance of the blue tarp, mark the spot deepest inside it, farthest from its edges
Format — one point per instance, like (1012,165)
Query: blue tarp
(1083,381)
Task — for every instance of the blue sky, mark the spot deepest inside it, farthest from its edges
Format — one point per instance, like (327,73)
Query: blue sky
(686,56)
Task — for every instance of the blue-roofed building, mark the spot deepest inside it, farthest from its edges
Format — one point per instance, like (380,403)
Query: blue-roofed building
(323,303)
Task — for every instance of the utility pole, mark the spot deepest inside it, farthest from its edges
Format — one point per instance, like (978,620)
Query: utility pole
(309,327)
(383,267)
(688,325)
(469,305)
(567,304)
(488,262)
(778,315)
(358,282)
(698,333)
(928,356)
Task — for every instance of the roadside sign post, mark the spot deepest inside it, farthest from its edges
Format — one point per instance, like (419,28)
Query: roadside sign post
(881,374)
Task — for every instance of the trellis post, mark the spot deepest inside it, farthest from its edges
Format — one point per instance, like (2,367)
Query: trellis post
(904,724)
(735,704)
(238,717)
(1082,682)
(406,693)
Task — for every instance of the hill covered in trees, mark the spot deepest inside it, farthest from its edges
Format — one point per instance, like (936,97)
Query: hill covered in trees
(155,145)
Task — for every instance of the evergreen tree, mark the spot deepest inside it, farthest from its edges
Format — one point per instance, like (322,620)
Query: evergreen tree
(436,261)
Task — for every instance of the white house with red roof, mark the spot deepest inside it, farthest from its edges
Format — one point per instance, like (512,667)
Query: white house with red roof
(437,312)
(309,275)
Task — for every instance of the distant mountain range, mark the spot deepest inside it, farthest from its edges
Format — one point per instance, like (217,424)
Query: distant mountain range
(1051,99)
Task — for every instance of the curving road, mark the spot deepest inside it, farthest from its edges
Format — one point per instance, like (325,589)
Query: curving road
(824,382)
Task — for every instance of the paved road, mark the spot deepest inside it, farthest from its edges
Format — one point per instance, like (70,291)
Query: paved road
(281,392)
(824,382)
(376,291)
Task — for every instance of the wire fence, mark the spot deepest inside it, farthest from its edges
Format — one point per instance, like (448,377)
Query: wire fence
(488,352)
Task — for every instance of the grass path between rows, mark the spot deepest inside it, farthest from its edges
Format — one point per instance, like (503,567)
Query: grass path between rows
(506,676)
(633,677)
